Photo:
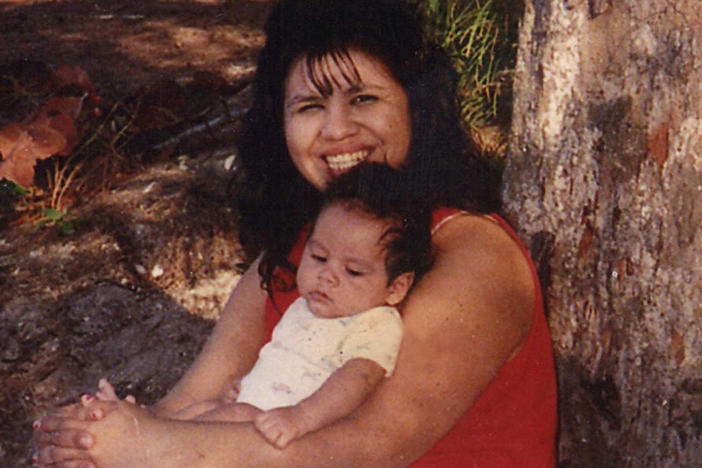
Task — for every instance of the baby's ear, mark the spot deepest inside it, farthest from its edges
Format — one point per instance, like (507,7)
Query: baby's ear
(399,288)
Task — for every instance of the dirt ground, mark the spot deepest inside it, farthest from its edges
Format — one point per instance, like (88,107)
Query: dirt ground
(132,292)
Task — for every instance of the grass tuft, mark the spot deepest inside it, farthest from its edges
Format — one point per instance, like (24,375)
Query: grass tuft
(479,36)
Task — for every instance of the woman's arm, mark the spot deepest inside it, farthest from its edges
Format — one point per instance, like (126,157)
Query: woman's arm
(464,319)
(229,352)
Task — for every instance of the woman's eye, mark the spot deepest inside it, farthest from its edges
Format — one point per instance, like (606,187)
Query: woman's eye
(308,108)
(362,98)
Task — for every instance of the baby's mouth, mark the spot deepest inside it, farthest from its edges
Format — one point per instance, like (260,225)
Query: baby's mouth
(342,162)
(318,296)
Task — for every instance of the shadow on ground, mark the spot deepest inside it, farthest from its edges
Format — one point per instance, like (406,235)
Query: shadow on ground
(128,43)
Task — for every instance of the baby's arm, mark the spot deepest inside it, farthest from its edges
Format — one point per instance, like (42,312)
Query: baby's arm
(215,409)
(229,412)
(339,396)
(196,410)
(223,409)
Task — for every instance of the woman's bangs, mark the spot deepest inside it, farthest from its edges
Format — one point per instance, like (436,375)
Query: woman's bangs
(332,69)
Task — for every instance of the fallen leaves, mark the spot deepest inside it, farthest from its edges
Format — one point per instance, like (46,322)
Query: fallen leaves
(48,131)
(54,112)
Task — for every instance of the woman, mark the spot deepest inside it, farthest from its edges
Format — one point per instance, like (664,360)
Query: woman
(339,83)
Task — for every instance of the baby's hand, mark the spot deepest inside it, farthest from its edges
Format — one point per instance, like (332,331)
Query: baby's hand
(230,392)
(280,426)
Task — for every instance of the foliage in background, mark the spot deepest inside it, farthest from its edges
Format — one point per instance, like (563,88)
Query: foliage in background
(480,38)
(64,222)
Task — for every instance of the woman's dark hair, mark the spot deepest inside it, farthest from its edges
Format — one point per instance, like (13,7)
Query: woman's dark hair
(383,194)
(274,200)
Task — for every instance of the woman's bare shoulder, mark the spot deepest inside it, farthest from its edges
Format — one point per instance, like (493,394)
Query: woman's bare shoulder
(482,249)
(475,233)
(480,281)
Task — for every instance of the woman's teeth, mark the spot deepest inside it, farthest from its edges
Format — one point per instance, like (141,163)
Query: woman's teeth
(345,161)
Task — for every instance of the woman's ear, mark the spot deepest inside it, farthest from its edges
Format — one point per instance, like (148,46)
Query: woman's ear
(399,288)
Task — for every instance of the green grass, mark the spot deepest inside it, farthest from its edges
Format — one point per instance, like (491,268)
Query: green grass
(479,36)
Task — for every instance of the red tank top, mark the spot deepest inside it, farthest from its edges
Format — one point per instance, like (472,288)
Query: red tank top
(512,424)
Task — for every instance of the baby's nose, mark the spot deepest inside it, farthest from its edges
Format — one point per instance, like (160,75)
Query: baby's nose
(328,275)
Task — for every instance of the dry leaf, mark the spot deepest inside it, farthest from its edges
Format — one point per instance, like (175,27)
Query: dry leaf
(51,131)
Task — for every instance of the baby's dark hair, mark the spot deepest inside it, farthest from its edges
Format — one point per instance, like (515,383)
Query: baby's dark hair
(381,192)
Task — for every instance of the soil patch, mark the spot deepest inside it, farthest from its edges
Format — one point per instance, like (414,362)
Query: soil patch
(134,289)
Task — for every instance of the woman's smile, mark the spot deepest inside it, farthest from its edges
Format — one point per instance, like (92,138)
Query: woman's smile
(363,116)
(342,162)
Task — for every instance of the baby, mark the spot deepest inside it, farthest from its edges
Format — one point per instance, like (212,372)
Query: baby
(336,343)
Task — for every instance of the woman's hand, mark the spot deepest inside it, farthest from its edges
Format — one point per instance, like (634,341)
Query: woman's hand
(63,434)
(104,433)
(60,432)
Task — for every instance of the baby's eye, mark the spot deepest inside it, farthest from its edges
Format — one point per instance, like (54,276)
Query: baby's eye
(353,272)
(318,258)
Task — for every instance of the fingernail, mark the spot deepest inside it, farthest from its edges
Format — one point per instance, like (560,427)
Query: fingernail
(96,414)
(35,459)
(87,398)
(36,425)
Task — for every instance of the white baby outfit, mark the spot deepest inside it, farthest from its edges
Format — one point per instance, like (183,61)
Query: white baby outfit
(305,350)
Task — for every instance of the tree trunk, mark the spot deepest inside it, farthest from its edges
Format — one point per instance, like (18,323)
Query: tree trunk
(604,181)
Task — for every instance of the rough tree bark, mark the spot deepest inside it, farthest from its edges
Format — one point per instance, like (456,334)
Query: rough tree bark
(604,180)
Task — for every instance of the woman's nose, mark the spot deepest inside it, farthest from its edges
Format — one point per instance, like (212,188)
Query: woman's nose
(338,123)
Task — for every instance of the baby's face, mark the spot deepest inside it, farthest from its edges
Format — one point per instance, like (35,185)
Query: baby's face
(342,271)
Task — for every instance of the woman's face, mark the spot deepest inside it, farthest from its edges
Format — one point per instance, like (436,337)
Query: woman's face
(365,119)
